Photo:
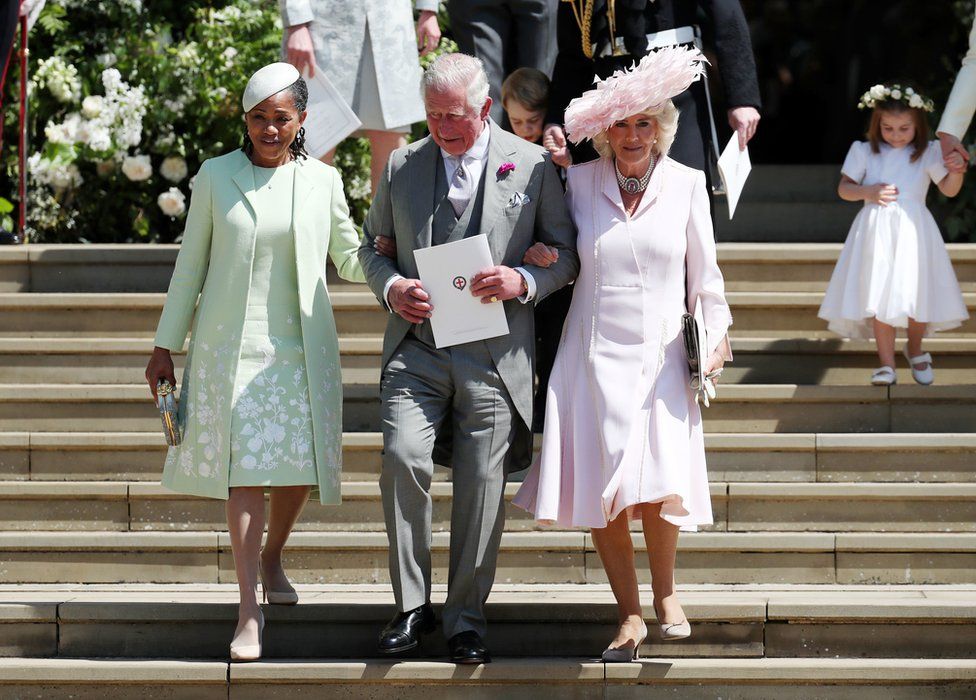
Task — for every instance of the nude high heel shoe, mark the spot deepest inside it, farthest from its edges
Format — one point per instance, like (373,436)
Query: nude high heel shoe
(248,652)
(672,631)
(277,597)
(625,654)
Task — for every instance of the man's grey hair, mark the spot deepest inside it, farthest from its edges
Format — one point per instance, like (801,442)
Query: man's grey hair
(457,70)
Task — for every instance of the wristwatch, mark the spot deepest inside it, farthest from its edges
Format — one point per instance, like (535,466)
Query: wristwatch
(525,287)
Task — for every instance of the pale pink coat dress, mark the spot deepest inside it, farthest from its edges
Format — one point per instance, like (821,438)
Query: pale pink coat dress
(622,426)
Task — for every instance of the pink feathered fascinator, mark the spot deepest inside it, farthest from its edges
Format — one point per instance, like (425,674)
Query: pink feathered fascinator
(659,76)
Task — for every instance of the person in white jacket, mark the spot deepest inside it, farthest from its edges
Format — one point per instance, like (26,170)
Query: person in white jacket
(959,108)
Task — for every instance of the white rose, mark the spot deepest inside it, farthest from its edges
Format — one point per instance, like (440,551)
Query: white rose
(65,176)
(92,106)
(173,169)
(137,168)
(915,101)
(172,202)
(896,94)
(99,138)
(909,91)
(877,91)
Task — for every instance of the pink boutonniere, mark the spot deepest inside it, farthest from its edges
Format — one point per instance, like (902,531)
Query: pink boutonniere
(505,168)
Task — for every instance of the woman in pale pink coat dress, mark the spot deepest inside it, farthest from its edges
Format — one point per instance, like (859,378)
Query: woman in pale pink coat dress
(623,433)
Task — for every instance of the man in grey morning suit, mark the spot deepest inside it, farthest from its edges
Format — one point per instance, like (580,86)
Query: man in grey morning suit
(467,406)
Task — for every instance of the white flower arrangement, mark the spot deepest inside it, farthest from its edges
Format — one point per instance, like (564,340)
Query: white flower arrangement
(174,169)
(59,77)
(57,174)
(897,93)
(137,168)
(172,202)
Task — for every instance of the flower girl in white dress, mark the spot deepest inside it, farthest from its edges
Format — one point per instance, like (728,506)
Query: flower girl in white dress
(894,271)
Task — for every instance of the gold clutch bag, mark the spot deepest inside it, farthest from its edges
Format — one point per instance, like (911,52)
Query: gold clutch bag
(168,405)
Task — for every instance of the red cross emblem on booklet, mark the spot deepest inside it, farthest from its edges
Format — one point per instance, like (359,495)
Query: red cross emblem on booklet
(460,283)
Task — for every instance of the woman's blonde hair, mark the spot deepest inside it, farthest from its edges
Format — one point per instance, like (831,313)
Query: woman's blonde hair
(666,116)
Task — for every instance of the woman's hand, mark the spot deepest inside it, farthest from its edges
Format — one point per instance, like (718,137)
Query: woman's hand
(716,362)
(428,32)
(385,246)
(540,255)
(160,367)
(882,194)
(299,49)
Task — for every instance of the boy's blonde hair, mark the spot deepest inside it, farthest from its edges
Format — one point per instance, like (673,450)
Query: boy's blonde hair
(529,87)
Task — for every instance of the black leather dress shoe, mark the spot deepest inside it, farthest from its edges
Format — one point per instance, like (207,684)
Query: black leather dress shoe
(467,648)
(404,630)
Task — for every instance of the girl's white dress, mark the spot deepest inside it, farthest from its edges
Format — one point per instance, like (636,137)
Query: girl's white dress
(894,264)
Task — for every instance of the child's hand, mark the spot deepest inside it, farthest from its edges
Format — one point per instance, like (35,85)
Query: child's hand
(881,194)
(554,141)
(540,255)
(955,163)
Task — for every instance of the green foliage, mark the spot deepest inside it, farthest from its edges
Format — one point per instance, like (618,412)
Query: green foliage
(175,99)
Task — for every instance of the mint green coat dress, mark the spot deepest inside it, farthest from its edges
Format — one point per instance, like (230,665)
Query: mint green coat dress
(214,275)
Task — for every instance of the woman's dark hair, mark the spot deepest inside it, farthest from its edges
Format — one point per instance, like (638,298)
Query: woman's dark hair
(299,94)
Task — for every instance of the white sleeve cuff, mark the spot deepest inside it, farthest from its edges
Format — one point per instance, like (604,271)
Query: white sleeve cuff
(530,283)
(386,291)
(428,5)
(295,12)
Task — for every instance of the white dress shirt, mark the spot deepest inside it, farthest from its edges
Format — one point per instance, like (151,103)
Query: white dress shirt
(474,161)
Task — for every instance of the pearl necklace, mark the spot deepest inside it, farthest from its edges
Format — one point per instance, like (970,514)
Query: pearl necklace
(632,185)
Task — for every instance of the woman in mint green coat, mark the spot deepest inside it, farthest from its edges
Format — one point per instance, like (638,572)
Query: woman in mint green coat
(261,399)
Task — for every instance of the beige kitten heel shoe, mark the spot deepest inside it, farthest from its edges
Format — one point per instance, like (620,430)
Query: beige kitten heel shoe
(672,631)
(285,597)
(625,654)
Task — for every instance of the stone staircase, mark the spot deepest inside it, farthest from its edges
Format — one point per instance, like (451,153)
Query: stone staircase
(842,560)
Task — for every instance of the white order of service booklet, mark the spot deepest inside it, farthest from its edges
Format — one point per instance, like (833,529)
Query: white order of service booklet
(330,120)
(734,166)
(458,316)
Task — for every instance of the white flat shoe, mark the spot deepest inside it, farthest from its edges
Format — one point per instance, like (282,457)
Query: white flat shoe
(921,376)
(884,376)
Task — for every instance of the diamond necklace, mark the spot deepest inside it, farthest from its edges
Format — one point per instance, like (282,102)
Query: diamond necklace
(632,185)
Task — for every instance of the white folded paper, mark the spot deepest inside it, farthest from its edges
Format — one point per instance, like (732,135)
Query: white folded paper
(330,120)
(734,167)
(446,271)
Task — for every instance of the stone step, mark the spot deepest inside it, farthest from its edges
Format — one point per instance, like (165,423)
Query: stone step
(758,360)
(737,507)
(106,268)
(510,678)
(732,457)
(343,621)
(752,408)
(524,557)
(357,313)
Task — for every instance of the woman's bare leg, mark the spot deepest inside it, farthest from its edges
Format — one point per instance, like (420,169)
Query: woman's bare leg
(616,550)
(661,538)
(245,521)
(381,145)
(287,503)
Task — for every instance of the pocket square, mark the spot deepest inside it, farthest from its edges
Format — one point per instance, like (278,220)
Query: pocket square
(518,199)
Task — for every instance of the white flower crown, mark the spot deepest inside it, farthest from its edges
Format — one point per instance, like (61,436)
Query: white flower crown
(882,93)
